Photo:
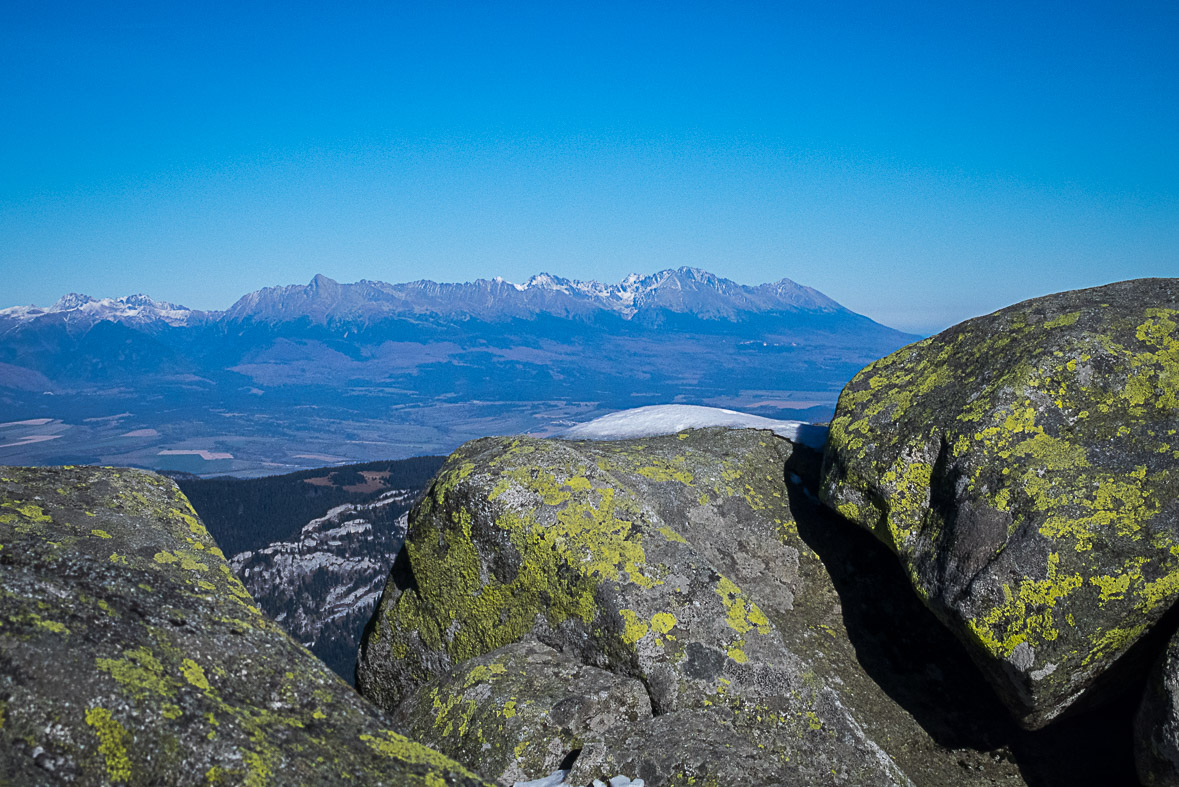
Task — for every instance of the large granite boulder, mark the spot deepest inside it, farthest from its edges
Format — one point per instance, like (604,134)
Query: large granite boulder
(697,564)
(521,710)
(1022,465)
(130,654)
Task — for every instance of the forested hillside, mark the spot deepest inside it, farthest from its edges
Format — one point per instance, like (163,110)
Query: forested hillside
(249,513)
(314,548)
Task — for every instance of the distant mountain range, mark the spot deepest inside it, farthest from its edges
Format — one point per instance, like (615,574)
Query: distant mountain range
(682,291)
(299,376)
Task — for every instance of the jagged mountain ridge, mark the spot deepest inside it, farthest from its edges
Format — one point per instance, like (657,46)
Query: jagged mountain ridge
(303,375)
(682,290)
(76,307)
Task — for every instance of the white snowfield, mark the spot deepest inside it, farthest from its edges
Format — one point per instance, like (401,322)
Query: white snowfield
(662,419)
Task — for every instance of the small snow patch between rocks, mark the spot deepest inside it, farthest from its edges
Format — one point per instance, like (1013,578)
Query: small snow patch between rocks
(663,419)
(552,780)
(557,778)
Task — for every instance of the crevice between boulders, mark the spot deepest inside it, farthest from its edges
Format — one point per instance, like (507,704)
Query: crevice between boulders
(1091,744)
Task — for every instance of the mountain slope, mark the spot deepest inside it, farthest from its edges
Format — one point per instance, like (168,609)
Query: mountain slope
(301,376)
(684,290)
(321,577)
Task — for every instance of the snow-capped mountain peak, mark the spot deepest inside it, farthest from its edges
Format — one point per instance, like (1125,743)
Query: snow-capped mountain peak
(75,307)
(71,302)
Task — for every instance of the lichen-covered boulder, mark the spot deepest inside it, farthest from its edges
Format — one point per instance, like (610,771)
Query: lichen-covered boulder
(691,562)
(566,542)
(520,711)
(130,654)
(1023,467)
(1156,727)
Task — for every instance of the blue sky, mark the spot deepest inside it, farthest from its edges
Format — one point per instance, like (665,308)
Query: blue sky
(919,162)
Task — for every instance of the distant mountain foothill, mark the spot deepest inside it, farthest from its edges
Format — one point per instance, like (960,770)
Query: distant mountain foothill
(295,376)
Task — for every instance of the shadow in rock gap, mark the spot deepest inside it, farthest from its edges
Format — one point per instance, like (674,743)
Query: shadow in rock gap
(1095,744)
(922,667)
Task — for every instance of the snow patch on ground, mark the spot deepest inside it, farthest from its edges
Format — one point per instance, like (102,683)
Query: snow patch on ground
(557,778)
(554,779)
(662,419)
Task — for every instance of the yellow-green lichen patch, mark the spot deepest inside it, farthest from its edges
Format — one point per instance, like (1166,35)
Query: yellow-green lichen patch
(1112,588)
(258,769)
(663,622)
(51,625)
(634,628)
(28,511)
(1063,321)
(139,673)
(662,470)
(100,533)
(397,747)
(908,484)
(742,616)
(671,535)
(187,560)
(588,535)
(539,481)
(194,674)
(1026,614)
(112,744)
(481,673)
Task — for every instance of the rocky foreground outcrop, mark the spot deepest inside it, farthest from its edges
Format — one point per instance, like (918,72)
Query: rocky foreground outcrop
(1023,467)
(997,542)
(130,654)
(696,565)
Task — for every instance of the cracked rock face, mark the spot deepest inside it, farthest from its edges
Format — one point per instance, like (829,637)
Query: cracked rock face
(1023,466)
(521,710)
(130,654)
(580,545)
(678,562)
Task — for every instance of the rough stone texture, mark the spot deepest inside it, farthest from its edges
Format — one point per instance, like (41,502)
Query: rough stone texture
(520,711)
(698,564)
(1156,728)
(1023,467)
(689,747)
(130,654)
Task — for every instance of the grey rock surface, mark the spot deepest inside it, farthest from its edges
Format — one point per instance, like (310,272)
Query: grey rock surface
(521,710)
(130,654)
(698,564)
(1022,465)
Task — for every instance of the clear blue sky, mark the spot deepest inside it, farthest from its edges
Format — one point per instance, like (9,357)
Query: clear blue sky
(919,162)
